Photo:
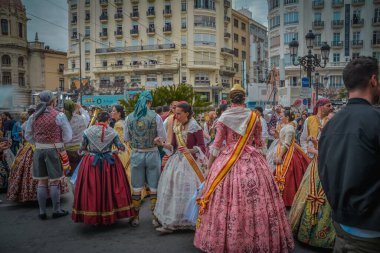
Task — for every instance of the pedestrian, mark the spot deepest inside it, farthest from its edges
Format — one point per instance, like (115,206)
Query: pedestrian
(102,194)
(183,172)
(142,129)
(241,209)
(48,129)
(16,136)
(349,160)
(291,162)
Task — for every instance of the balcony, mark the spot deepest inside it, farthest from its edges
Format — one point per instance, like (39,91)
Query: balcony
(134,15)
(357,2)
(87,35)
(151,1)
(134,32)
(103,35)
(135,1)
(103,2)
(167,13)
(227,35)
(74,36)
(151,31)
(118,16)
(227,4)
(357,43)
(375,43)
(226,50)
(227,19)
(87,19)
(74,6)
(74,21)
(337,4)
(227,70)
(318,4)
(103,18)
(150,14)
(118,2)
(167,29)
(317,43)
(376,21)
(118,34)
(336,44)
(337,24)
(357,23)
(318,24)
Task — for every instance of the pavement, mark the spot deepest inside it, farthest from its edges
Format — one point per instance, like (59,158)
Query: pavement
(21,231)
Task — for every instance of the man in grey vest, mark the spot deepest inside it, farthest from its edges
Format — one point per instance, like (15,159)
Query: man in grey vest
(143,128)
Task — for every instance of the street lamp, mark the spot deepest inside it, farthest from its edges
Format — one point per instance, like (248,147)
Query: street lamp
(309,62)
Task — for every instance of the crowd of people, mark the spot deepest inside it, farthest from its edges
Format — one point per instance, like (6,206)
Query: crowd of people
(245,180)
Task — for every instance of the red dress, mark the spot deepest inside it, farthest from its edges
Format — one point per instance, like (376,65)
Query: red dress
(102,193)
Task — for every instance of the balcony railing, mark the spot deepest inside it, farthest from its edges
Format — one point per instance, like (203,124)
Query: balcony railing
(227,19)
(318,24)
(318,4)
(337,23)
(151,31)
(74,6)
(135,15)
(337,4)
(357,22)
(167,29)
(336,44)
(135,48)
(357,2)
(375,43)
(103,34)
(118,33)
(103,2)
(227,4)
(135,1)
(118,16)
(118,2)
(227,35)
(103,17)
(376,21)
(357,43)
(227,50)
(167,12)
(74,21)
(151,13)
(134,32)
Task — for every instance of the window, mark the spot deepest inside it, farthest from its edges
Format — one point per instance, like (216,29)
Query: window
(288,37)
(274,22)
(202,79)
(88,65)
(273,4)
(167,77)
(287,60)
(183,5)
(73,64)
(87,15)
(21,62)
(243,41)
(204,39)
(236,37)
(356,15)
(119,62)
(336,57)
(61,67)
(119,81)
(318,40)
(376,17)
(356,36)
(74,18)
(275,60)
(87,31)
(275,41)
(293,81)
(236,22)
(6,60)
(236,52)
(61,84)
(204,4)
(244,55)
(104,82)
(151,78)
(243,26)
(376,37)
(183,77)
(20,30)
(4,27)
(336,81)
(204,21)
(87,47)
(376,55)
(291,18)
(21,79)
(336,15)
(290,2)
(236,67)
(183,40)
(336,38)
(7,78)
(74,34)
(317,16)
(136,80)
(183,23)
(355,55)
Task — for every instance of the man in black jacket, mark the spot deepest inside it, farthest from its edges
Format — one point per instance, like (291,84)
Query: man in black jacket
(349,161)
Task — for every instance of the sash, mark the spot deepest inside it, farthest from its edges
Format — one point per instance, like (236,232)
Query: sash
(203,201)
(282,169)
(316,198)
(169,129)
(188,156)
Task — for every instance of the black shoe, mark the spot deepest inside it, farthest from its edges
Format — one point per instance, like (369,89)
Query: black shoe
(42,216)
(60,214)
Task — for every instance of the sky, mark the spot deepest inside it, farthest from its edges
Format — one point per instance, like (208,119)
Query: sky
(49,19)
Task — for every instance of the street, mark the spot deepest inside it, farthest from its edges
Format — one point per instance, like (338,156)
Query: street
(22,231)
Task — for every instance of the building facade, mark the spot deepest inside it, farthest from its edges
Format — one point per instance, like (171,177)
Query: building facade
(25,67)
(241,46)
(350,27)
(117,44)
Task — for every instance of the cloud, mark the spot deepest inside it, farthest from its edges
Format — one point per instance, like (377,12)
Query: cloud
(51,32)
(259,9)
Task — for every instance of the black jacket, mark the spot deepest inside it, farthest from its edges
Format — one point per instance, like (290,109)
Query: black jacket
(349,165)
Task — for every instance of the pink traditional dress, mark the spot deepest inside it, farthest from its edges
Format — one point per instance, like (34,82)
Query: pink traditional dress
(245,212)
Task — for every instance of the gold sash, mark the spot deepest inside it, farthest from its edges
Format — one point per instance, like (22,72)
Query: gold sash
(188,156)
(207,192)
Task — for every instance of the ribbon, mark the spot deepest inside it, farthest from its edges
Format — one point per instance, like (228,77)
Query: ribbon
(104,127)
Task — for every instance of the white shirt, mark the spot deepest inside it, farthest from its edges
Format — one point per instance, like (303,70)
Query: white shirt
(264,128)
(85,115)
(60,120)
(160,129)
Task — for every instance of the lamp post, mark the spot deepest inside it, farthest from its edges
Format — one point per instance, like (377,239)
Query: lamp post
(309,62)
(316,85)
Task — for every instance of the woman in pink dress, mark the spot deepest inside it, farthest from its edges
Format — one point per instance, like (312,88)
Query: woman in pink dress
(241,208)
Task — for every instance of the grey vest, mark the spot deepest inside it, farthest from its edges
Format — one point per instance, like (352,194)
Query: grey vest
(142,131)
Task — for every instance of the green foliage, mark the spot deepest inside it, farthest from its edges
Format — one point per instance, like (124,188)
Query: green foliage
(342,93)
(166,94)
